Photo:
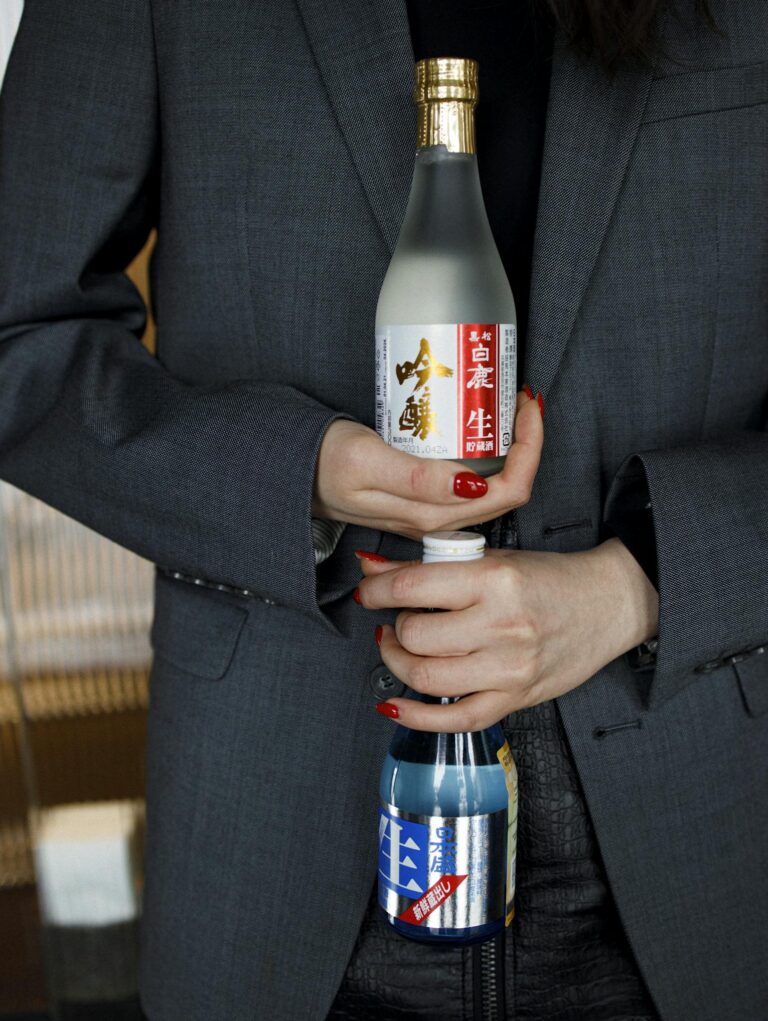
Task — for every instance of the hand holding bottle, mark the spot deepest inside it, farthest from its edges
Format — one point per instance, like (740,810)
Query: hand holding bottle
(362,481)
(522,627)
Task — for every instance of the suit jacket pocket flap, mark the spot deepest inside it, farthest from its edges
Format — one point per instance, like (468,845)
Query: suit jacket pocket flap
(752,674)
(723,88)
(194,628)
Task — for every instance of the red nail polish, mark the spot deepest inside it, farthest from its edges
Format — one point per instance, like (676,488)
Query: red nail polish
(469,485)
(540,400)
(378,633)
(387,709)
(377,558)
(528,392)
(356,596)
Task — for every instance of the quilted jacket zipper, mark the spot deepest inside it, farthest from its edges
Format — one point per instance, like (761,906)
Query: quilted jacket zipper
(488,980)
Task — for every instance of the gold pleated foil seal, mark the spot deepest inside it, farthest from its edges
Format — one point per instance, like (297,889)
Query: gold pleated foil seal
(446,95)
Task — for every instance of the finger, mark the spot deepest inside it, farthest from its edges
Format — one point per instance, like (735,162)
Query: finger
(453,633)
(475,712)
(450,586)
(514,483)
(439,676)
(422,479)
(372,564)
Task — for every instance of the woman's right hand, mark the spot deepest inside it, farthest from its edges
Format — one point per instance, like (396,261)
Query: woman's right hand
(363,481)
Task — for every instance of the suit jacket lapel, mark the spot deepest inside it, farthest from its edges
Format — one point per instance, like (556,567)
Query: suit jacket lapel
(364,53)
(592,124)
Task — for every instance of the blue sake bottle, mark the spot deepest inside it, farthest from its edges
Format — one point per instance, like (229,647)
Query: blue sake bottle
(448,818)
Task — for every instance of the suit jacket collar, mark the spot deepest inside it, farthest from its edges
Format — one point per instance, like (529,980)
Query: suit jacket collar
(364,54)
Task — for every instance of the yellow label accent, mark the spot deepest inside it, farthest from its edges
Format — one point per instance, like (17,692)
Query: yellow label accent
(504,755)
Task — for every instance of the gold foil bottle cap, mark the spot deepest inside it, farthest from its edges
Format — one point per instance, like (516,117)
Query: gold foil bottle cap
(446,78)
(446,93)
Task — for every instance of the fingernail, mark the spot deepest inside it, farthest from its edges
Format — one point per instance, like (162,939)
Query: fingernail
(378,633)
(469,485)
(357,597)
(377,558)
(387,709)
(540,400)
(528,392)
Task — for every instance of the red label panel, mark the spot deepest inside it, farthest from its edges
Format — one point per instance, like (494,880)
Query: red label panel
(433,898)
(478,389)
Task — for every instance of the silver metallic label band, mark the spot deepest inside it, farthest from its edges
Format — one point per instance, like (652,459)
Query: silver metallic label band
(443,872)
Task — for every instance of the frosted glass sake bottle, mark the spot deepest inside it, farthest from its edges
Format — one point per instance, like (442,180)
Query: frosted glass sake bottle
(446,319)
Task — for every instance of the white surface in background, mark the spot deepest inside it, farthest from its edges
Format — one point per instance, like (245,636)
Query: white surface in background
(10,15)
(86,863)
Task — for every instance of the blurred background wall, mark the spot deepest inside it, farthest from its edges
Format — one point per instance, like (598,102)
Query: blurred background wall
(10,15)
(75,612)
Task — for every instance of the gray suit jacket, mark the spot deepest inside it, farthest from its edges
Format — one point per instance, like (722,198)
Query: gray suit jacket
(272,144)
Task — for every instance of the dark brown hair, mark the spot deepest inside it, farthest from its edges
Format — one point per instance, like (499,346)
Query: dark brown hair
(616,31)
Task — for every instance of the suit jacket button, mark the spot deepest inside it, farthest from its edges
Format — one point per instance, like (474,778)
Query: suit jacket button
(384,684)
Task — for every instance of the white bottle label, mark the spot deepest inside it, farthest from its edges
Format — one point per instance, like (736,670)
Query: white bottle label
(446,390)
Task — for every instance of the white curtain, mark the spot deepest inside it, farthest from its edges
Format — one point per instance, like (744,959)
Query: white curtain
(10,15)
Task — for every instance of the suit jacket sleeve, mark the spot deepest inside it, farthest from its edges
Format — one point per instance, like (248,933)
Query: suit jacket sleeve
(709,505)
(211,480)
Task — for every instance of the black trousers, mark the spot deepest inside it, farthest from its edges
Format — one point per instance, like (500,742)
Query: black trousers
(566,955)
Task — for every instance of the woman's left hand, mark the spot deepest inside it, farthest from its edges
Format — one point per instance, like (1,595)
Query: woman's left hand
(520,627)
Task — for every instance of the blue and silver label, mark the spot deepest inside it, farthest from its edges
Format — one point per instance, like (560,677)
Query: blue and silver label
(442,872)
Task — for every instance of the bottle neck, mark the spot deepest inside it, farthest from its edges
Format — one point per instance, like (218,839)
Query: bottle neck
(448,122)
(477,747)
(445,211)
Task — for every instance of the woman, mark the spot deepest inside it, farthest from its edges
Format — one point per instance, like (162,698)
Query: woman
(272,146)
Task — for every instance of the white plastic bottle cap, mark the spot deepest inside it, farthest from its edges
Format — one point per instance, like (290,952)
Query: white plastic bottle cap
(442,546)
